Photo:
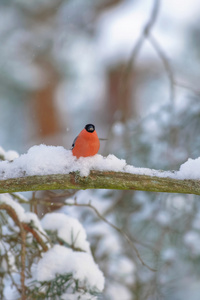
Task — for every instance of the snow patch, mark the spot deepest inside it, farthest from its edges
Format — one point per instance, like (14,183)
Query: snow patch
(68,229)
(62,260)
(26,217)
(190,169)
(47,160)
(8,155)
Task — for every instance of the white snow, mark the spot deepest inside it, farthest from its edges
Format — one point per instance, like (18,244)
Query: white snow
(8,155)
(26,217)
(46,160)
(11,155)
(39,160)
(11,293)
(68,229)
(190,169)
(7,199)
(62,260)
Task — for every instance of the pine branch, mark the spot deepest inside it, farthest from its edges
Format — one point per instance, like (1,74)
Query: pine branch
(24,227)
(101,180)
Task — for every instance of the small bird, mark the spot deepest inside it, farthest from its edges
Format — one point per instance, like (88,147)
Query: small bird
(86,143)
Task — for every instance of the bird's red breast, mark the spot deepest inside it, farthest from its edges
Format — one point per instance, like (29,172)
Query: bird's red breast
(86,143)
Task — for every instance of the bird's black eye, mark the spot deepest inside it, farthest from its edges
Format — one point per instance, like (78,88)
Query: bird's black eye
(90,127)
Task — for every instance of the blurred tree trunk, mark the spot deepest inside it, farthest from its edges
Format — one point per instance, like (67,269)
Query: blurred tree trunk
(48,125)
(121,103)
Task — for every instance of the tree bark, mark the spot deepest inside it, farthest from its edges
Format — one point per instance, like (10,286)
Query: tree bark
(101,180)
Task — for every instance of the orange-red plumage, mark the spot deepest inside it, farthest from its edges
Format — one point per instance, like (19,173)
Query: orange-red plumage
(86,143)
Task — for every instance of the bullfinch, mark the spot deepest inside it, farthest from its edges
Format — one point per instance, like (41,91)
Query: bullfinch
(86,143)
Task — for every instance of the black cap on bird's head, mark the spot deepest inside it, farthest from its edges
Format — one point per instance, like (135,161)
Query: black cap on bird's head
(90,128)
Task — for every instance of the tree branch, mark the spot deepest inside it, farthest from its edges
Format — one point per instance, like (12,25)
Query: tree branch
(127,238)
(24,227)
(101,180)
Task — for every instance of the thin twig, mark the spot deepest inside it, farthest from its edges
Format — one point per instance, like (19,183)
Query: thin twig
(145,33)
(19,198)
(187,87)
(89,205)
(48,201)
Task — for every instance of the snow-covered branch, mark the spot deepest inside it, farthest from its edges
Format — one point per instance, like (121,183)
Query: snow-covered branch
(64,241)
(49,168)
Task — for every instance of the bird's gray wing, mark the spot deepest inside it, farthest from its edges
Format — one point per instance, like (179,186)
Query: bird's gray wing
(73,144)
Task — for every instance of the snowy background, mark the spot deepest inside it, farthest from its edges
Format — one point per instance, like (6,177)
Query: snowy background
(64,64)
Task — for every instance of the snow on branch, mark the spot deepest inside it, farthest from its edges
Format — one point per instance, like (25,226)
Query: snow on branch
(26,221)
(66,265)
(48,168)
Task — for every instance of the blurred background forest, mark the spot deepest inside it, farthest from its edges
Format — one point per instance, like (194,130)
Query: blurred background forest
(132,68)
